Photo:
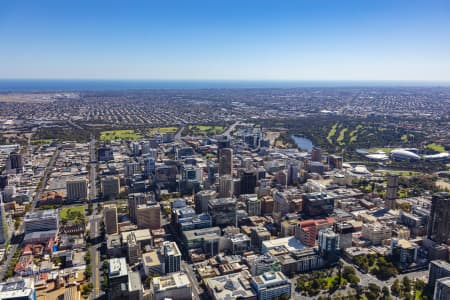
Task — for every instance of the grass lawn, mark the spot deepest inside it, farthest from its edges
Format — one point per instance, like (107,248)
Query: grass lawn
(373,150)
(341,136)
(332,133)
(70,213)
(436,147)
(111,135)
(399,172)
(42,141)
(204,129)
(163,130)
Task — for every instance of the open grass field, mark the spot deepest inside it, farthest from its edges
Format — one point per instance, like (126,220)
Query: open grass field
(112,135)
(206,129)
(72,213)
(436,147)
(399,172)
(374,150)
(162,130)
(42,141)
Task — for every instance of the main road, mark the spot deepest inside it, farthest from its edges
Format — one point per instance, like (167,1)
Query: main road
(230,129)
(196,291)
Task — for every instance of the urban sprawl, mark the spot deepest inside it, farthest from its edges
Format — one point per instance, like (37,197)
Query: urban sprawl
(312,193)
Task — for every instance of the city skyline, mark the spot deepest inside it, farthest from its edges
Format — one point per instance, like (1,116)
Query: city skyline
(264,40)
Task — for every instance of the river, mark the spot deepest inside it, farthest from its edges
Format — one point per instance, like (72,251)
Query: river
(303,142)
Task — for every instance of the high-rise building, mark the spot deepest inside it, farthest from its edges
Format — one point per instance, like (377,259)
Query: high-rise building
(149,166)
(222,211)
(76,189)
(201,200)
(135,199)
(148,216)
(105,153)
(226,186)
(345,231)
(335,161)
(253,204)
(391,191)
(292,172)
(3,181)
(316,154)
(328,242)
(110,186)
(439,224)
(171,257)
(225,161)
(248,182)
(442,289)
(110,218)
(3,226)
(132,168)
(133,249)
(438,269)
(173,286)
(19,289)
(15,162)
(271,285)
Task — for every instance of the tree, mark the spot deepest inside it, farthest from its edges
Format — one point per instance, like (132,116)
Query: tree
(396,288)
(406,282)
(373,291)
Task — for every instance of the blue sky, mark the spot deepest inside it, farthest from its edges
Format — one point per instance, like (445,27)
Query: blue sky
(220,40)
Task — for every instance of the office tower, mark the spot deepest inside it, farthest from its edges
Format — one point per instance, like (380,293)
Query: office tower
(225,161)
(15,162)
(105,153)
(211,169)
(376,232)
(19,289)
(226,188)
(335,161)
(133,249)
(222,211)
(328,242)
(76,189)
(171,257)
(442,289)
(42,220)
(136,148)
(3,225)
(391,191)
(3,181)
(316,154)
(110,218)
(281,206)
(439,224)
(132,168)
(248,182)
(149,166)
(345,231)
(292,172)
(201,200)
(117,279)
(438,269)
(135,199)
(318,204)
(148,216)
(271,285)
(110,186)
(253,204)
(173,286)
(190,173)
(223,142)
